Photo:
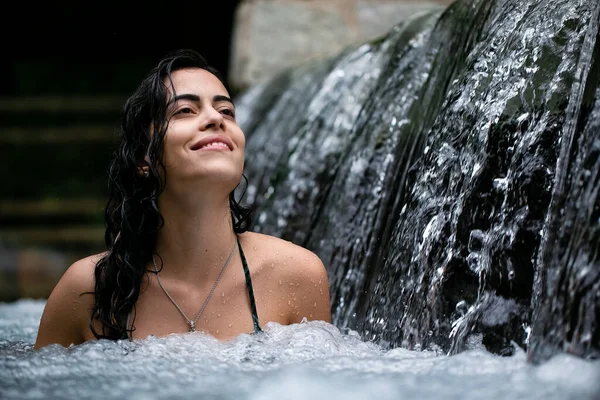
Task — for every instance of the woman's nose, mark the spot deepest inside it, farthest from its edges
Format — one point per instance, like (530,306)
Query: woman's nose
(212,120)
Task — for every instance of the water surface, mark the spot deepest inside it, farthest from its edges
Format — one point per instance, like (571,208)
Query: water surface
(309,360)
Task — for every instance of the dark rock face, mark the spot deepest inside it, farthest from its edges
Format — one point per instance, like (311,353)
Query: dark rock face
(447,175)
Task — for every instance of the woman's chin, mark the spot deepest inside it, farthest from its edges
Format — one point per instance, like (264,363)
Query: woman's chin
(220,178)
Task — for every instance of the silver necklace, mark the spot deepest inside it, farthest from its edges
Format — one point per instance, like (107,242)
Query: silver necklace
(192,323)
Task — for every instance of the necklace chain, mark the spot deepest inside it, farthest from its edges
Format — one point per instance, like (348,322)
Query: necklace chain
(192,323)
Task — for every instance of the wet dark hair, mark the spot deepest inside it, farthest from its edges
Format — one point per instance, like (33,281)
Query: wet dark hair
(132,217)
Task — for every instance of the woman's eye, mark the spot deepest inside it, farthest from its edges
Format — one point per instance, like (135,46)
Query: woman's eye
(229,112)
(184,110)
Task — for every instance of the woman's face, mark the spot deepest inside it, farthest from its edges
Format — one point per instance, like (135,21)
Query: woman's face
(203,142)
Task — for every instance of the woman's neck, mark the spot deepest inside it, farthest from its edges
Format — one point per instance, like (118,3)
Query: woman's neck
(196,238)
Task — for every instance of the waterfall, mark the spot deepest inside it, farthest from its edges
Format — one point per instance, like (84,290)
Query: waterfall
(447,174)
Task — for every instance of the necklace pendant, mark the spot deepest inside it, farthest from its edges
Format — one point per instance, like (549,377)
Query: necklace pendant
(192,326)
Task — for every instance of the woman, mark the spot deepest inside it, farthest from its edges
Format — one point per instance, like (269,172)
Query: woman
(179,257)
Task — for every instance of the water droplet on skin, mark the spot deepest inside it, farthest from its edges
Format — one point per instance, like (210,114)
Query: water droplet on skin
(270,291)
(229,325)
(219,315)
(223,294)
(315,305)
(272,265)
(254,248)
(280,281)
(217,331)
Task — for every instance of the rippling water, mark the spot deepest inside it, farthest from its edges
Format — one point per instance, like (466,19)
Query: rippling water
(310,360)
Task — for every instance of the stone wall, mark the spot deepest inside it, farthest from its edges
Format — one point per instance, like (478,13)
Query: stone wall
(271,35)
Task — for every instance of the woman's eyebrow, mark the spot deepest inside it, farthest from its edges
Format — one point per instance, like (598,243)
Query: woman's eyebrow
(186,96)
(220,97)
(196,98)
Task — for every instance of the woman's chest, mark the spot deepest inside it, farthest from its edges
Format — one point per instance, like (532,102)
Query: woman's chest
(225,313)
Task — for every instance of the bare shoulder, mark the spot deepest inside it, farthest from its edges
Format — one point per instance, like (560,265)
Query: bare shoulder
(68,307)
(82,271)
(298,272)
(79,277)
(298,260)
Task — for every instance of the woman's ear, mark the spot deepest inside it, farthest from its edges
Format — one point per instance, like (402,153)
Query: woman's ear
(143,171)
(143,168)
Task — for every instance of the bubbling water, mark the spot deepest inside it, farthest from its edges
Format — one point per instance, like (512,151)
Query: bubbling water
(307,360)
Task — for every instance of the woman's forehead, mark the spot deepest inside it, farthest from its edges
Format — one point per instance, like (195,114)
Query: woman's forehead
(197,81)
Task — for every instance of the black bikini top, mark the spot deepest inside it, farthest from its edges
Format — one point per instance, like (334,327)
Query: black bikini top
(250,290)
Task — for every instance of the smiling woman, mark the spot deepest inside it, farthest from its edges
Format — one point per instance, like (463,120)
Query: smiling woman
(179,255)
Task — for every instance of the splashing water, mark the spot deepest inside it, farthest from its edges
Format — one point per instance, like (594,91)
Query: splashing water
(447,176)
(307,360)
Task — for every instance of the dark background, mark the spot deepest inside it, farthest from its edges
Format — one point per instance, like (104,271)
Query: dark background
(67,68)
(105,47)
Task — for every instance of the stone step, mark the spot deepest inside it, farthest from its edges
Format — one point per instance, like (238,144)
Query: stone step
(61,104)
(57,134)
(36,208)
(54,236)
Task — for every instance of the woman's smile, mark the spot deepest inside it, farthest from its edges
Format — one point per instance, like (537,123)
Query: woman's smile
(213,142)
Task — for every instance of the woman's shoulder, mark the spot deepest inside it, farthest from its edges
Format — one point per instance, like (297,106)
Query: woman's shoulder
(66,313)
(78,279)
(80,274)
(291,271)
(281,252)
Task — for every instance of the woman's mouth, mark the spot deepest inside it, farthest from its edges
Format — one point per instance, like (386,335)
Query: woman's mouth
(215,146)
(213,142)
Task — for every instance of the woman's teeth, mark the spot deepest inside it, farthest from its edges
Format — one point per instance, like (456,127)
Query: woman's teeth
(214,144)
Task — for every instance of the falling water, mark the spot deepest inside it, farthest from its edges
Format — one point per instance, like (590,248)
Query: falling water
(433,169)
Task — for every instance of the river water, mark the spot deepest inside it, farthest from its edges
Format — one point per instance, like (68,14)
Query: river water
(309,360)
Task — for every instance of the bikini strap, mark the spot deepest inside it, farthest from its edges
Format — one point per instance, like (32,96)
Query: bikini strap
(250,290)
